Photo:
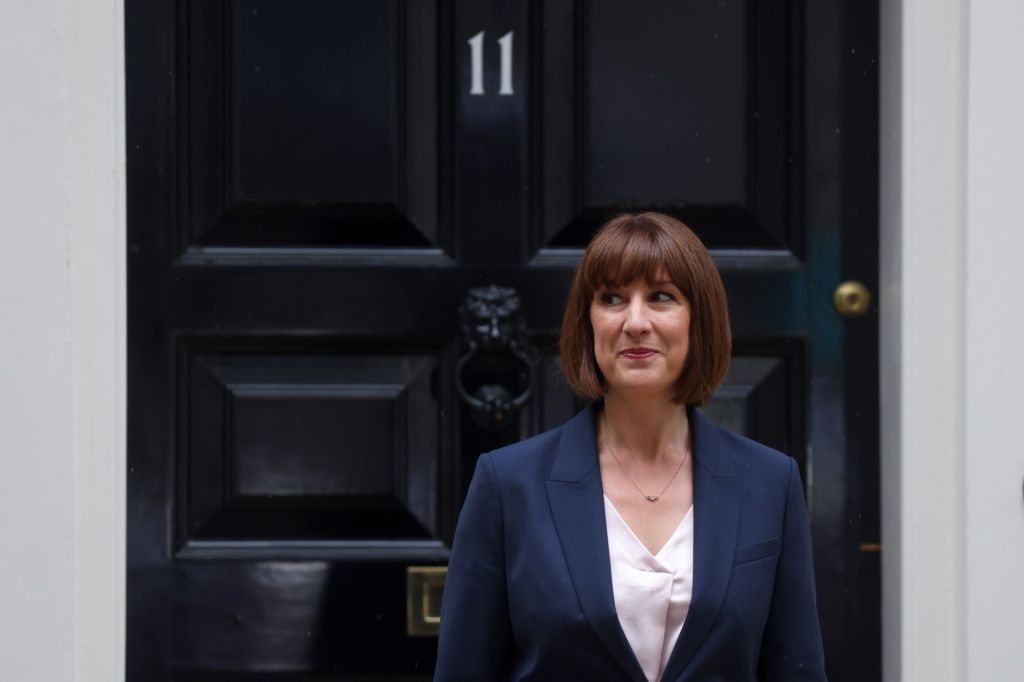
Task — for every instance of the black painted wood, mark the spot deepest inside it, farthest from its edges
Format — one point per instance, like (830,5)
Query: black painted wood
(307,124)
(313,188)
(684,108)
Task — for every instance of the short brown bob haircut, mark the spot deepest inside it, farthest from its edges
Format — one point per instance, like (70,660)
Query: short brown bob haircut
(632,246)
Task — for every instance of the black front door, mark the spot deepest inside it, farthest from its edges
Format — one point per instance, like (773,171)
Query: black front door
(315,189)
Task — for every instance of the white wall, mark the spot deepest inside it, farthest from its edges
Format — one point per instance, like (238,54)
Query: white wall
(37,484)
(994,339)
(62,346)
(951,247)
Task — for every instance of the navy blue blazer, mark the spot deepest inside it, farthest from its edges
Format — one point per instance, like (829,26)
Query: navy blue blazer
(529,588)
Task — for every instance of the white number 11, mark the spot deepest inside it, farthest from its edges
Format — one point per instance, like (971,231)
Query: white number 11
(476,64)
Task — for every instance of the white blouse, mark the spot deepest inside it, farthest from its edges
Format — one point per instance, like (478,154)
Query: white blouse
(652,591)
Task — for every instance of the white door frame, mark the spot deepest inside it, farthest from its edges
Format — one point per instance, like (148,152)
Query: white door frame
(922,136)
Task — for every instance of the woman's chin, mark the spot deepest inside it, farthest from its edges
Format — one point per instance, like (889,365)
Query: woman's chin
(639,390)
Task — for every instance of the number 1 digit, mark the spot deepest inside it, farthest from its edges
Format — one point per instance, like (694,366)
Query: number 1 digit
(506,64)
(476,64)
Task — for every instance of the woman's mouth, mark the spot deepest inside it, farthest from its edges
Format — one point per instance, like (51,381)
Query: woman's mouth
(639,353)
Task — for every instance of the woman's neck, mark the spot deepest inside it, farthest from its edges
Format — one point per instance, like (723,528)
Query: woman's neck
(644,429)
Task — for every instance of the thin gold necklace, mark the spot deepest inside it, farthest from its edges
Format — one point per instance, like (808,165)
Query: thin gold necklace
(649,498)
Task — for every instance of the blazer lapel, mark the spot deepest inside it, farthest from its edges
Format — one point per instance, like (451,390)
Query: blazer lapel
(716,513)
(577,506)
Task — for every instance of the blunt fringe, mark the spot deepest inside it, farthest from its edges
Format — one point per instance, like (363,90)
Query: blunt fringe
(633,246)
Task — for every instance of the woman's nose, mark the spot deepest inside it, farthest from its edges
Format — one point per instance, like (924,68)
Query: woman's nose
(637,322)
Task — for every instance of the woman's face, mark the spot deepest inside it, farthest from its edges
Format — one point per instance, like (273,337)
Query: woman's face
(641,336)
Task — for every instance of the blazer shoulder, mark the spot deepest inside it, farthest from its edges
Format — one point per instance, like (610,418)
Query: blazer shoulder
(752,457)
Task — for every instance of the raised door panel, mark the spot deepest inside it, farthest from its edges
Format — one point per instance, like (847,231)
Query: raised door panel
(309,123)
(282,453)
(687,108)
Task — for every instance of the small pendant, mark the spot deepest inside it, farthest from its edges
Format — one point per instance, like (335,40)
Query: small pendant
(653,498)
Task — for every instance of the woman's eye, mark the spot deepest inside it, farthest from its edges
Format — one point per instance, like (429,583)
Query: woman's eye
(662,297)
(610,299)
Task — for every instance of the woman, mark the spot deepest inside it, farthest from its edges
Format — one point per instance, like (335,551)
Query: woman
(637,541)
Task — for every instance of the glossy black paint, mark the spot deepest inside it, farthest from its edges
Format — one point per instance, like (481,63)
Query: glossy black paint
(312,192)
(688,108)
